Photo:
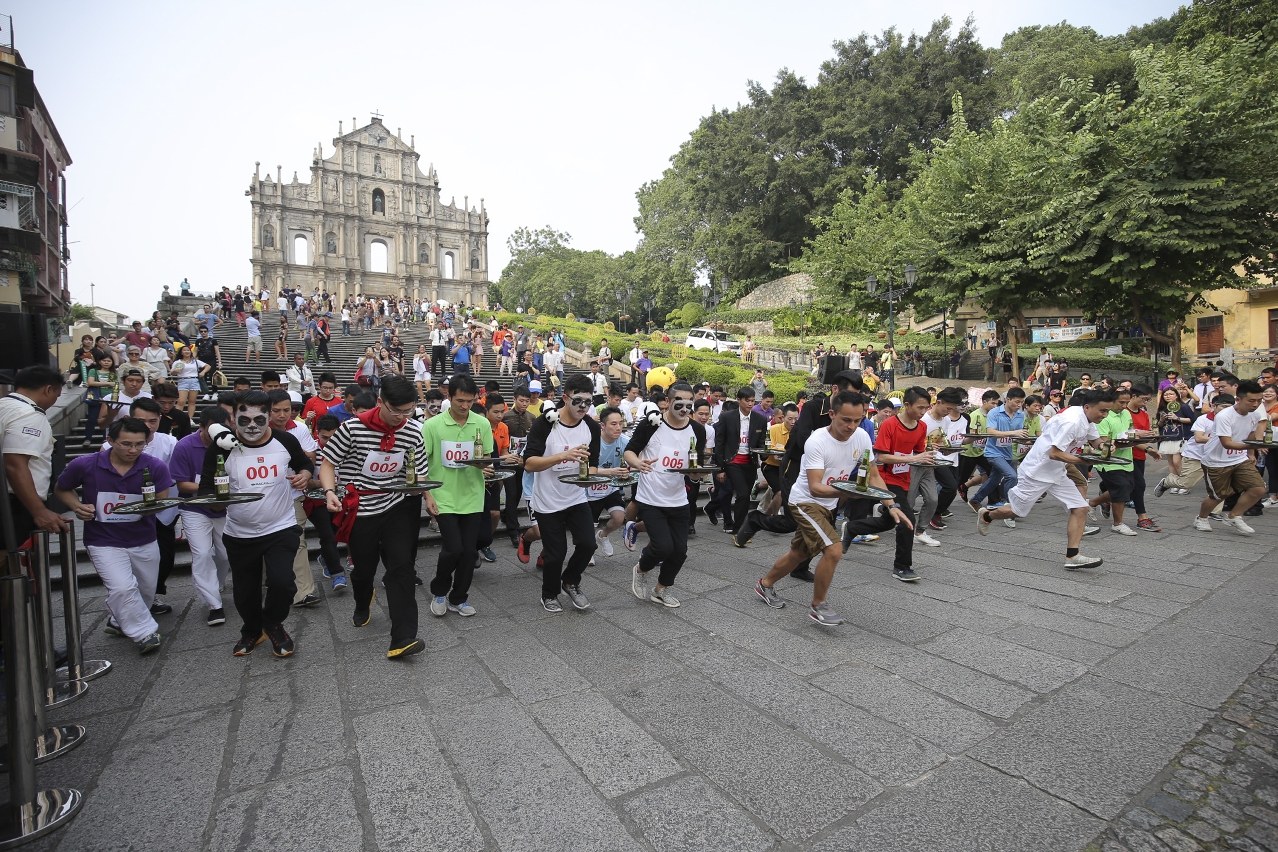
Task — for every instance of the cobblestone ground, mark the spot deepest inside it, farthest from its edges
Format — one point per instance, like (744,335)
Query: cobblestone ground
(1002,704)
(1221,792)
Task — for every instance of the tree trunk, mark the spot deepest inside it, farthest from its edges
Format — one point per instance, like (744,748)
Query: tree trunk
(1172,341)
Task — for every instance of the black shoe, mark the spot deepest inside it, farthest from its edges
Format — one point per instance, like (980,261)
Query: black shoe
(245,646)
(691,530)
(405,649)
(216,617)
(281,642)
(364,615)
(803,573)
(417,580)
(160,607)
(742,536)
(711,514)
(1254,512)
(309,600)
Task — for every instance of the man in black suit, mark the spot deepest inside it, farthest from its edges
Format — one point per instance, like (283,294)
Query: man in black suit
(737,433)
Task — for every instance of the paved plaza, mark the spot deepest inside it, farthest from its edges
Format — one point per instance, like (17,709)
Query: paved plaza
(1001,703)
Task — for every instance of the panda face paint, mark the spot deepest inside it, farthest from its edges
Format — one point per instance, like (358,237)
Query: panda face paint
(252,424)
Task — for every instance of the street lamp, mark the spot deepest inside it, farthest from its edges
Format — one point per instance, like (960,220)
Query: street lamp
(890,296)
(623,296)
(523,303)
(567,300)
(805,300)
(648,305)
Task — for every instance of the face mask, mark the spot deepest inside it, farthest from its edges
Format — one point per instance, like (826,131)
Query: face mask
(251,424)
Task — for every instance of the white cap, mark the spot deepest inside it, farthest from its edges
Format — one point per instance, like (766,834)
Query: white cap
(534,387)
(295,397)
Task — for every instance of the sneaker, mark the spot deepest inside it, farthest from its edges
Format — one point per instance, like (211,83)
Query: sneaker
(824,615)
(439,606)
(487,555)
(281,642)
(982,525)
(924,538)
(1161,487)
(768,595)
(1010,523)
(630,535)
(1202,524)
(339,582)
(159,607)
(521,550)
(150,643)
(868,538)
(417,579)
(604,544)
(405,649)
(112,627)
(639,583)
(804,573)
(974,506)
(1091,513)
(1216,516)
(905,575)
(937,524)
(1131,504)
(323,566)
(579,600)
(711,514)
(744,533)
(1078,560)
(551,605)
(464,609)
(309,600)
(1090,530)
(1270,502)
(1239,524)
(1148,525)
(245,646)
(365,615)
(1180,490)
(1122,529)
(1104,507)
(216,617)
(591,563)
(664,597)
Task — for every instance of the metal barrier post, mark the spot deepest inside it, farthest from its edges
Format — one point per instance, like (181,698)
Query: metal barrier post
(77,667)
(54,693)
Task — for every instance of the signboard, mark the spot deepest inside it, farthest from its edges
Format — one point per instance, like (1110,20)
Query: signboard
(1113,350)
(1067,333)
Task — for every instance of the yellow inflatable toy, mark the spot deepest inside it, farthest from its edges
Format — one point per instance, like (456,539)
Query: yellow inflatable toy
(662,377)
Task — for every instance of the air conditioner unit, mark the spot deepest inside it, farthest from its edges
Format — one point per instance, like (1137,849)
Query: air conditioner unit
(22,146)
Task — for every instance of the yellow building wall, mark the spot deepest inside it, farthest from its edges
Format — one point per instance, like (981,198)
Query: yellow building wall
(1245,318)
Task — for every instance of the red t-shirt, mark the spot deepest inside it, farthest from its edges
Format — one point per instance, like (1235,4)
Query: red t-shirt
(320,407)
(893,437)
(1140,420)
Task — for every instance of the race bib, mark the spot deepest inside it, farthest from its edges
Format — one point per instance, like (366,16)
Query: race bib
(252,472)
(1004,442)
(108,500)
(383,465)
(455,452)
(900,468)
(566,465)
(979,444)
(601,490)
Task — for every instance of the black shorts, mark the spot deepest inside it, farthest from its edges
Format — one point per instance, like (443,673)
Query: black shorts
(1119,484)
(492,498)
(615,500)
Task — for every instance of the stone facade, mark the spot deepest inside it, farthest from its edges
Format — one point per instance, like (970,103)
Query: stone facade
(776,294)
(367,204)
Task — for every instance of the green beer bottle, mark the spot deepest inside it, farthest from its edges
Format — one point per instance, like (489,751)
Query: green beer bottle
(221,482)
(693,461)
(863,473)
(410,472)
(148,487)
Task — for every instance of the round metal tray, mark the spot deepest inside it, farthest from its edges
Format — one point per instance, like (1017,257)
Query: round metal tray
(574,479)
(1260,445)
(625,481)
(871,493)
(972,439)
(1092,458)
(1135,442)
(1029,440)
(141,507)
(498,474)
(422,485)
(212,501)
(767,453)
(928,464)
(482,461)
(691,471)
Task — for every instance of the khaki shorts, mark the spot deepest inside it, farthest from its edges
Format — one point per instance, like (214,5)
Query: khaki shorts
(1225,482)
(255,343)
(1075,476)
(816,528)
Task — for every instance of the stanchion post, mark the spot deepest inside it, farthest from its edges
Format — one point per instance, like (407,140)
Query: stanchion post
(54,692)
(77,668)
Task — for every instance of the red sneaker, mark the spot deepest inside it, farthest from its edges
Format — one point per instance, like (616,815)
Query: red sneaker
(522,550)
(1148,525)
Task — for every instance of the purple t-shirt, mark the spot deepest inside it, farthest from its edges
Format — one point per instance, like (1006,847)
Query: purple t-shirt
(185,465)
(102,487)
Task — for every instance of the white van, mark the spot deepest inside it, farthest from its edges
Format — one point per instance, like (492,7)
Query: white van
(716,341)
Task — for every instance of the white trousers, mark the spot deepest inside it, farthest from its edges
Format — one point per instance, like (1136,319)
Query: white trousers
(130,575)
(302,575)
(209,565)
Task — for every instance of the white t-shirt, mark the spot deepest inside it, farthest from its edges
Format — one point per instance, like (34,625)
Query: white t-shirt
(1068,432)
(1193,449)
(304,437)
(190,369)
(264,470)
(838,459)
(26,432)
(549,494)
(951,430)
(1240,427)
(254,326)
(665,447)
(281,304)
(854,360)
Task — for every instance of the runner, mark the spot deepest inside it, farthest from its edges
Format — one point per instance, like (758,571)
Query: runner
(123,548)
(1044,472)
(1004,423)
(1231,464)
(1117,480)
(608,498)
(832,454)
(202,526)
(658,444)
(454,437)
(518,422)
(369,452)
(738,432)
(1191,460)
(269,462)
(945,428)
(160,446)
(282,404)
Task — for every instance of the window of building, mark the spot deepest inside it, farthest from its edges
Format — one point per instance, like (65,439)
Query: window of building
(377,255)
(450,266)
(379,201)
(301,248)
(1211,334)
(6,95)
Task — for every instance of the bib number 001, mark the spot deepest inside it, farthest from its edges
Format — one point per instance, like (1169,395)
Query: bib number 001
(261,471)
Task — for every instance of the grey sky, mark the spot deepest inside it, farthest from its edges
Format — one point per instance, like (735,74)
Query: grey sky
(554,113)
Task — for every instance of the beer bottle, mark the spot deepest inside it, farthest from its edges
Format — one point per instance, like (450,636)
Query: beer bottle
(148,487)
(221,482)
(693,461)
(119,386)
(863,473)
(410,472)
(583,469)
(479,446)
(1269,431)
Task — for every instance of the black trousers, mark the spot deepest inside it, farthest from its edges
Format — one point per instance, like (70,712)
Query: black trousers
(772,476)
(166,538)
(1138,485)
(555,528)
(884,522)
(667,540)
(693,490)
(458,550)
(741,478)
(322,346)
(514,493)
(247,557)
(438,354)
(946,477)
(322,519)
(387,537)
(967,466)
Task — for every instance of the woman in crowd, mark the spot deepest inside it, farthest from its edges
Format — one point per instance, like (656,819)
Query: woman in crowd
(421,371)
(1174,418)
(187,370)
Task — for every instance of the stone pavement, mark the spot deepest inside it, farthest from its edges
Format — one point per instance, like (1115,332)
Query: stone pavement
(999,704)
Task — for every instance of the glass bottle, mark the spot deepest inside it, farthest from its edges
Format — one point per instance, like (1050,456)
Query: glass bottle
(583,469)
(863,473)
(148,486)
(221,482)
(693,461)
(410,472)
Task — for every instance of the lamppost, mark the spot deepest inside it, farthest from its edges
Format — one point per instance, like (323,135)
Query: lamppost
(648,305)
(523,303)
(805,300)
(890,296)
(567,300)
(623,298)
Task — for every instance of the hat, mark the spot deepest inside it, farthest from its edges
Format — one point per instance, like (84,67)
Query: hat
(130,371)
(896,403)
(295,397)
(534,387)
(848,376)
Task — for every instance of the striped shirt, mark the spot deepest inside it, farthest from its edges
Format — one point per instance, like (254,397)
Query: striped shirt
(355,451)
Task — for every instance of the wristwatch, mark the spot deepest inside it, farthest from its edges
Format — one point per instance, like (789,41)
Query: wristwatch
(891,505)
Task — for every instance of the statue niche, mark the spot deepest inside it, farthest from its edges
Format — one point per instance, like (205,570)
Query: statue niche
(423,254)
(268,237)
(379,201)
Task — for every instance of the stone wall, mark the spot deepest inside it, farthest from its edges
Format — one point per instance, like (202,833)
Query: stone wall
(776,294)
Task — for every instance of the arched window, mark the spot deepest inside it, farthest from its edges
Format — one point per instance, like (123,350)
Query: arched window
(377,256)
(423,253)
(474,260)
(379,201)
(301,255)
(450,265)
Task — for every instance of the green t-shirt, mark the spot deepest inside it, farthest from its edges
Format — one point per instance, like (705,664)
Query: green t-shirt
(463,490)
(976,424)
(1115,424)
(1033,428)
